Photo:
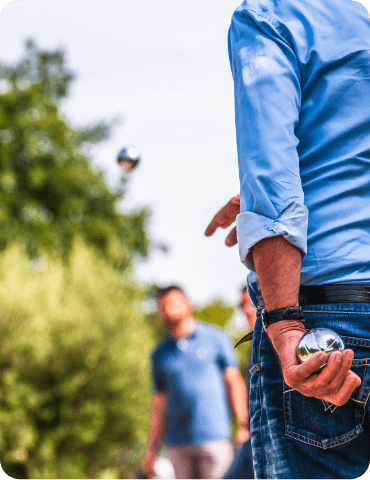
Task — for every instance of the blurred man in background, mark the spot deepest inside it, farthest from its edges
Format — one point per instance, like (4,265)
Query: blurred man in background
(242,466)
(194,373)
(245,305)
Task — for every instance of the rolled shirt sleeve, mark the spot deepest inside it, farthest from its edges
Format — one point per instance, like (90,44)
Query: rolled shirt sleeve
(267,106)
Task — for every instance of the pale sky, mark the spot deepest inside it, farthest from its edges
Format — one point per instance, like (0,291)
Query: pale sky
(163,66)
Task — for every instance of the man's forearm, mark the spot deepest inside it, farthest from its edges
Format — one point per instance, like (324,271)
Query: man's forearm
(278,266)
(157,422)
(239,401)
(155,436)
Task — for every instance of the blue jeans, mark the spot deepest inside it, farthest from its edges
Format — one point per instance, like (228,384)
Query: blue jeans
(242,466)
(294,436)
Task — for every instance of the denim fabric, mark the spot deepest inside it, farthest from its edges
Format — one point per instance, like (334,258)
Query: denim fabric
(294,436)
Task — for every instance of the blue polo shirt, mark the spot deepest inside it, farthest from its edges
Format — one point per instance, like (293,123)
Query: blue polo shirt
(190,372)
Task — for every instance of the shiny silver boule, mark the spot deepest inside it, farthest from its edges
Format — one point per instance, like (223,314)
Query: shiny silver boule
(316,340)
(128,158)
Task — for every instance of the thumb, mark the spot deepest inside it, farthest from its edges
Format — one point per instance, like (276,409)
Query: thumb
(231,239)
(300,373)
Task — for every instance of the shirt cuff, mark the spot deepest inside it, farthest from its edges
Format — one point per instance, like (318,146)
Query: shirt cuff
(292,223)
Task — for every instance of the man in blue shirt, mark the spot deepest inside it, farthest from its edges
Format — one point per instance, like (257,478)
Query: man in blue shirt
(194,372)
(302,85)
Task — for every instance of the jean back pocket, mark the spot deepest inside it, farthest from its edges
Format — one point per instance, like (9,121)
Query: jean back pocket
(317,423)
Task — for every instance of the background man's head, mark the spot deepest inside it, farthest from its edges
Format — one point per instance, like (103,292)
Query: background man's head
(127,165)
(246,307)
(173,305)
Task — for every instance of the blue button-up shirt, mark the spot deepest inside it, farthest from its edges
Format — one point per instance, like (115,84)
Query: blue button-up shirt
(302,100)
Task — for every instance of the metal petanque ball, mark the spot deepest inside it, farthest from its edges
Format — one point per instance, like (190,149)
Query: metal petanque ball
(128,158)
(319,339)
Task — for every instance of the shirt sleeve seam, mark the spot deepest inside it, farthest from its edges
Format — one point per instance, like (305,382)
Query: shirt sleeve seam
(274,23)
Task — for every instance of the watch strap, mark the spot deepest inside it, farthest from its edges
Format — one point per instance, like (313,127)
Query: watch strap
(290,313)
(274,316)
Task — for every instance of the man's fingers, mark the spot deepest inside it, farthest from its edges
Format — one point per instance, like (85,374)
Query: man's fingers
(347,357)
(225,217)
(331,372)
(212,227)
(345,366)
(231,239)
(299,373)
(351,382)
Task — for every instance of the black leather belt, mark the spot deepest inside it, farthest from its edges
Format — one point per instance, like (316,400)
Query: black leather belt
(331,293)
(334,293)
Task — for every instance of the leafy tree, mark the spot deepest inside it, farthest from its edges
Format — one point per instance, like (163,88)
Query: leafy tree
(216,312)
(49,192)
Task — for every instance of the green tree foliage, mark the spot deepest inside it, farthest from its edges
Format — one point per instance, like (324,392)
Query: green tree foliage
(49,192)
(217,312)
(74,367)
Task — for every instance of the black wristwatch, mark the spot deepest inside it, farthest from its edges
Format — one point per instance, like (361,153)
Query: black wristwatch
(273,316)
(290,313)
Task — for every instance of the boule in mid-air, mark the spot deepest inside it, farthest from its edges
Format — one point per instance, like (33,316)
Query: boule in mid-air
(128,158)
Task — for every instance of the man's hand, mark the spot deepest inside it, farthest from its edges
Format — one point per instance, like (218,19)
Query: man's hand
(224,218)
(147,463)
(334,384)
(242,435)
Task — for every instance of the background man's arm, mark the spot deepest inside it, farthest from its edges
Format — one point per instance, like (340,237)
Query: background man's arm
(156,431)
(238,395)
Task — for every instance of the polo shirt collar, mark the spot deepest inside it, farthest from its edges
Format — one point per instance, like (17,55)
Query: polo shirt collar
(191,336)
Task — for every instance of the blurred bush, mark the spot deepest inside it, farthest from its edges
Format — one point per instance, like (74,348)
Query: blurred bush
(74,372)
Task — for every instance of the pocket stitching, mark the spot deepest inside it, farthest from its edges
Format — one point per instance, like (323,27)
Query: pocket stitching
(360,342)
(291,431)
(367,398)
